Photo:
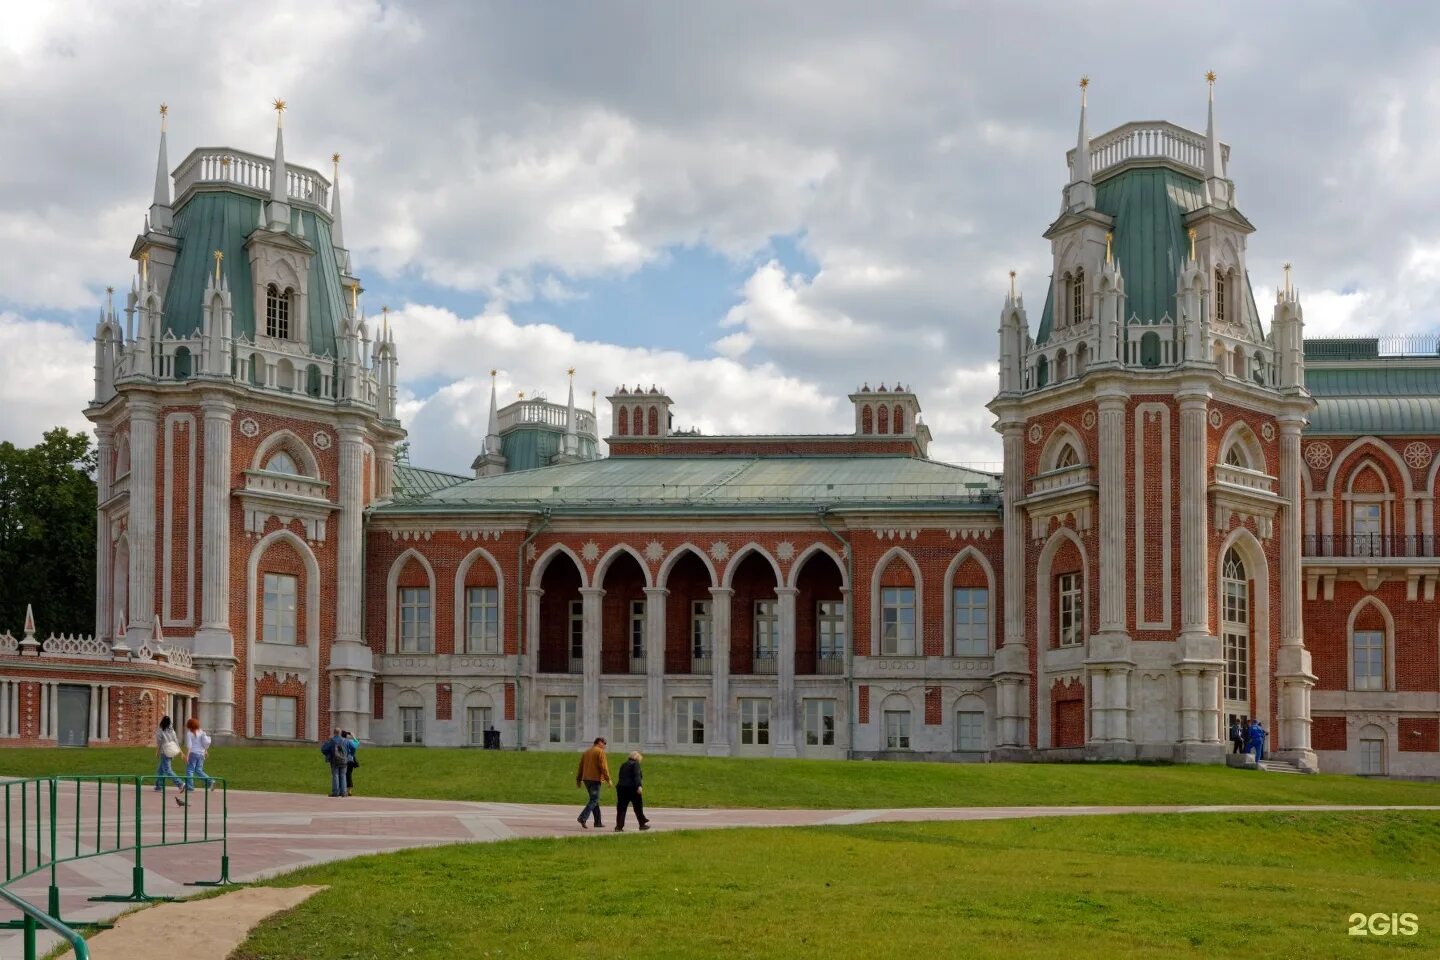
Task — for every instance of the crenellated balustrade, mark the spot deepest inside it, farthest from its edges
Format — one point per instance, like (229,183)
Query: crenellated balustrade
(1065,478)
(1148,140)
(1244,478)
(225,165)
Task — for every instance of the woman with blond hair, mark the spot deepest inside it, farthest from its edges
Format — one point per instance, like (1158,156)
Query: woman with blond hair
(627,793)
(197,748)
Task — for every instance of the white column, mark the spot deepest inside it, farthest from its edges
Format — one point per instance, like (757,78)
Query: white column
(1012,660)
(783,721)
(350,658)
(718,727)
(1194,511)
(4,708)
(105,712)
(1112,513)
(1293,668)
(92,722)
(55,711)
(655,667)
(591,628)
(1190,705)
(1099,715)
(104,580)
(44,709)
(214,641)
(143,415)
(1119,700)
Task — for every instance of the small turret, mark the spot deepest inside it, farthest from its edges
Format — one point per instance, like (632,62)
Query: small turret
(109,345)
(160,217)
(1188,293)
(491,462)
(640,413)
(570,444)
(1014,340)
(1218,189)
(217,321)
(1080,194)
(1287,329)
(1110,306)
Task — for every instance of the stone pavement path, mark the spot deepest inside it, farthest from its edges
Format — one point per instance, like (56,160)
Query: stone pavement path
(271,833)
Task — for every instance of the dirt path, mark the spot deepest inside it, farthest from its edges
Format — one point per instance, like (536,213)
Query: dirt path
(206,929)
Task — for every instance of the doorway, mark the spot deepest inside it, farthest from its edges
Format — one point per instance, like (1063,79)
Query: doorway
(74,710)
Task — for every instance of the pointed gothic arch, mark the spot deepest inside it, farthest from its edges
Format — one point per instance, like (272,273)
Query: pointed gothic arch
(602,566)
(461,641)
(662,576)
(728,577)
(537,569)
(1054,450)
(392,600)
(297,449)
(876,576)
(967,555)
(1240,442)
(1388,669)
(312,628)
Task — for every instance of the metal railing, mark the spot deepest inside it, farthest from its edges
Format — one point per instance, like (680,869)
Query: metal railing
(51,821)
(1369,545)
(830,662)
(763,664)
(1371,348)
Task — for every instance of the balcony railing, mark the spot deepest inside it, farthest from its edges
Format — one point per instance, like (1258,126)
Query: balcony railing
(700,664)
(1241,477)
(762,664)
(1062,479)
(637,664)
(244,169)
(577,665)
(829,662)
(1370,545)
(1148,140)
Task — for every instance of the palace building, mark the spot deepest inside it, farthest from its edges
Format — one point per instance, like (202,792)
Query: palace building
(1201,516)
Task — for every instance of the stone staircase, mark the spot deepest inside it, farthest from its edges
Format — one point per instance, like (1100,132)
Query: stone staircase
(1279,766)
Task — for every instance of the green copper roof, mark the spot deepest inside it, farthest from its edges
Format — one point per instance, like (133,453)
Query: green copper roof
(1370,394)
(1149,206)
(415,482)
(1380,416)
(1380,379)
(220,220)
(719,485)
(527,448)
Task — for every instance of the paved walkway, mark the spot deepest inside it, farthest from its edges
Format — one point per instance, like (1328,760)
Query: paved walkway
(271,833)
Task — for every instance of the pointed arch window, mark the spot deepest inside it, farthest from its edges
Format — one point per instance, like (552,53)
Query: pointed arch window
(1235,628)
(282,462)
(622,422)
(867,419)
(1067,457)
(1235,457)
(654,421)
(884,426)
(277,312)
(1220,313)
(637,424)
(898,422)
(1077,296)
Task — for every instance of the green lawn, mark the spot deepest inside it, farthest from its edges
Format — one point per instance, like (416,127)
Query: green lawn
(1246,886)
(681,781)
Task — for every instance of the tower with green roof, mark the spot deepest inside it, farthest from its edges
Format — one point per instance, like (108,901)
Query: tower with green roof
(1152,440)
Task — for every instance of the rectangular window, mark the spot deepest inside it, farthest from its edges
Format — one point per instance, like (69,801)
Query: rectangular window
(279,616)
(625,719)
(577,636)
(414,619)
(830,642)
(1372,757)
(690,720)
(277,717)
(482,620)
(477,721)
(969,730)
(897,622)
(412,724)
(754,722)
(637,630)
(972,622)
(897,729)
(277,313)
(1366,527)
(1072,609)
(1237,665)
(1369,647)
(562,719)
(767,636)
(700,636)
(819,723)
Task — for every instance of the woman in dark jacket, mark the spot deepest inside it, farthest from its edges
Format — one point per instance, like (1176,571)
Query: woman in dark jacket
(627,793)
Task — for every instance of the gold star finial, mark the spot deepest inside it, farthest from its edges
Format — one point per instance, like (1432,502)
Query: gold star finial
(520,394)
(1012,284)
(1193,234)
(219,255)
(1109,238)
(164,112)
(279,106)
(493,373)
(335,158)
(1084,82)
(110,290)
(570,373)
(1210,77)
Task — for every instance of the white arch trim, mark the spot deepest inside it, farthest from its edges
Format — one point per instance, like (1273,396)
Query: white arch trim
(961,558)
(881,565)
(298,449)
(1384,450)
(462,605)
(1240,433)
(537,570)
(312,628)
(603,566)
(662,577)
(803,557)
(739,556)
(392,600)
(1044,635)
(1058,439)
(1360,605)
(1257,571)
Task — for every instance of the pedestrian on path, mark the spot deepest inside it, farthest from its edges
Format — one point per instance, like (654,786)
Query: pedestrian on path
(1237,738)
(336,752)
(1257,739)
(627,793)
(167,748)
(197,748)
(593,771)
(353,743)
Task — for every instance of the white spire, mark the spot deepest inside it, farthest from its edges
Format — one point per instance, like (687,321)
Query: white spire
(1081,173)
(1214,165)
(572,439)
(278,212)
(492,430)
(337,234)
(160,205)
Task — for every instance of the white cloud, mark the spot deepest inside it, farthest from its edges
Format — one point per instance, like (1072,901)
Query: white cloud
(46,378)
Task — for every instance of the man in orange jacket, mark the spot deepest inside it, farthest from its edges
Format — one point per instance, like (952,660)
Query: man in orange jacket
(593,772)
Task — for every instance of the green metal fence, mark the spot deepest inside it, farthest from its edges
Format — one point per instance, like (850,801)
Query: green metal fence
(51,821)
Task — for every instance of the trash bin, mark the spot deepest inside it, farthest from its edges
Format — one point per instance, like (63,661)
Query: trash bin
(492,739)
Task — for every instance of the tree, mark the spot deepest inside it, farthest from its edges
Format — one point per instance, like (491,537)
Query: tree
(47,533)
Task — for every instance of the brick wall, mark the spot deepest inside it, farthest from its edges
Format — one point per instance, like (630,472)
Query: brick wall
(1067,713)
(1419,734)
(1328,733)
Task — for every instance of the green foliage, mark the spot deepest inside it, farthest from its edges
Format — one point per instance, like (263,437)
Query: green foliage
(47,533)
(1184,885)
(690,781)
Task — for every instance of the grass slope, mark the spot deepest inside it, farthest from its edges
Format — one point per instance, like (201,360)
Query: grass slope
(683,781)
(1249,886)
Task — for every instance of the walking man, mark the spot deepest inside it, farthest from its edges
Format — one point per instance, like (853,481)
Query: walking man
(337,754)
(1237,738)
(627,793)
(593,771)
(1257,739)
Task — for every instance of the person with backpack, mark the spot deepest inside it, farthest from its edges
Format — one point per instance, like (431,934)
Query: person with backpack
(167,748)
(353,743)
(627,793)
(336,752)
(1237,739)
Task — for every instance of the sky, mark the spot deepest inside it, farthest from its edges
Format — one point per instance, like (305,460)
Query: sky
(756,206)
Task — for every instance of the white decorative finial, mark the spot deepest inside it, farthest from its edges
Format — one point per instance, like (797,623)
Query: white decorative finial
(1012,284)
(279,106)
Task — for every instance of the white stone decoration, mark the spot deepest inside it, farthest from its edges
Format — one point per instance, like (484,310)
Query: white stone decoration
(322,440)
(1088,420)
(654,551)
(590,551)
(75,646)
(8,643)
(1418,454)
(530,552)
(1267,430)
(1036,434)
(1216,419)
(249,428)
(1319,455)
(720,550)
(785,550)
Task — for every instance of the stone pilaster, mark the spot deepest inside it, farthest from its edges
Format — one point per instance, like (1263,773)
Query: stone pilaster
(1199,658)
(214,641)
(1292,669)
(143,423)
(1109,657)
(1012,660)
(718,723)
(655,667)
(351,660)
(591,627)
(104,553)
(784,718)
